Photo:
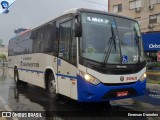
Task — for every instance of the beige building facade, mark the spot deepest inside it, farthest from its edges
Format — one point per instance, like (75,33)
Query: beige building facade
(146,12)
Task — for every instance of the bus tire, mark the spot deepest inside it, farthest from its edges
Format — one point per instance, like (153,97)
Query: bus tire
(51,88)
(16,77)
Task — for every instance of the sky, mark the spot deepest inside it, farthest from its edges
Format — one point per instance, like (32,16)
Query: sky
(30,13)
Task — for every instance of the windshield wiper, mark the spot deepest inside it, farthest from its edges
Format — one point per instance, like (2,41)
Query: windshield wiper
(111,41)
(137,42)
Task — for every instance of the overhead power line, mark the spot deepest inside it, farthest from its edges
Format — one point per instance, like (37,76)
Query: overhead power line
(95,2)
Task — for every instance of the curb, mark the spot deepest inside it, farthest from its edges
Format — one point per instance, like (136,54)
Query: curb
(153,86)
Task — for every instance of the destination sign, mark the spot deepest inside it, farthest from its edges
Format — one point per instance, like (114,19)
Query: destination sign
(96,19)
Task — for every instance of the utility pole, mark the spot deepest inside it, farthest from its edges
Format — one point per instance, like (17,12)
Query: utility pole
(108,5)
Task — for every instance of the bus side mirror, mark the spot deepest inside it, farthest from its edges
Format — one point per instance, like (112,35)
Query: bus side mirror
(33,35)
(78,30)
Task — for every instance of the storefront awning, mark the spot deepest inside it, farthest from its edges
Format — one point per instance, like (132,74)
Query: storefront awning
(151,41)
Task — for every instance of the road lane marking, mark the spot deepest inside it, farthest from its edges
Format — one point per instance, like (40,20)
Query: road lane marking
(6,107)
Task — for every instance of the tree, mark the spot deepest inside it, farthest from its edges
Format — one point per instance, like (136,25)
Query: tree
(3,58)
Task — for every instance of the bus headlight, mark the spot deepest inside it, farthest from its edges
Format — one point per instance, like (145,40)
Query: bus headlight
(143,77)
(89,78)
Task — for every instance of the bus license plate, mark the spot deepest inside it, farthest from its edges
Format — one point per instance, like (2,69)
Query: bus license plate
(123,93)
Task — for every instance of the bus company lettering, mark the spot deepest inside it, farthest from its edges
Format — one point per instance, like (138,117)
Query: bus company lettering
(131,78)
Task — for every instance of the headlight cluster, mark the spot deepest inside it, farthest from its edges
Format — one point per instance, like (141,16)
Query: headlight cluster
(143,77)
(89,78)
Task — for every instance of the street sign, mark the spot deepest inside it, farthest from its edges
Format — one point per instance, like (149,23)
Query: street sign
(158,56)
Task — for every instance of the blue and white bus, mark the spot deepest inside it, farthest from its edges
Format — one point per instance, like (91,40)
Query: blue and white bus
(86,55)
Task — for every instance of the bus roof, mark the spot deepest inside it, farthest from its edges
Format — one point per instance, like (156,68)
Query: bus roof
(77,10)
(74,11)
(102,12)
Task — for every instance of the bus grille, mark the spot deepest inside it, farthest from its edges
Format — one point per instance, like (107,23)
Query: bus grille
(118,71)
(124,71)
(118,84)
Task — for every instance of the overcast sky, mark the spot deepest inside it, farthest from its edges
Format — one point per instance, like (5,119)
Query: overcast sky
(29,13)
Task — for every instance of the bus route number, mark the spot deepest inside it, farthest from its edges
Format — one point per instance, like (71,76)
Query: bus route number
(135,57)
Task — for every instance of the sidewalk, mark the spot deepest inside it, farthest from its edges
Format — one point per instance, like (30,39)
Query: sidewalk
(157,73)
(1,109)
(5,108)
(153,86)
(154,74)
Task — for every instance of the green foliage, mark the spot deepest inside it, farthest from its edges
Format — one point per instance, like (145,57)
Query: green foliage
(153,81)
(153,65)
(157,64)
(3,57)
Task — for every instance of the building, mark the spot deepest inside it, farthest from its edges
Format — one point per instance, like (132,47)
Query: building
(19,30)
(147,13)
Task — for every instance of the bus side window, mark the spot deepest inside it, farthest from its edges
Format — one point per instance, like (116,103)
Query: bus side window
(73,48)
(65,40)
(36,42)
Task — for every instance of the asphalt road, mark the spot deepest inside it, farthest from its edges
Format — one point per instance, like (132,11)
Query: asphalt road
(32,98)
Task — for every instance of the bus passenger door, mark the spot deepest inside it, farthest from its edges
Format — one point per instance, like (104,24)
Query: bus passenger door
(66,69)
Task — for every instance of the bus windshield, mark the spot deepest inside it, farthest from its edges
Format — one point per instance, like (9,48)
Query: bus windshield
(110,39)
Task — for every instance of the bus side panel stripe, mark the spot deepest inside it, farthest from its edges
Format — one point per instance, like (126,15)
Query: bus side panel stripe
(66,76)
(31,70)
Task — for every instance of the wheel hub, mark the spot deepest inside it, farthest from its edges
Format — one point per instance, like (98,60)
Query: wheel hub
(52,87)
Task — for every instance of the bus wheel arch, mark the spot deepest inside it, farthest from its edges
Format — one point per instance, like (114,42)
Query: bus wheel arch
(50,84)
(17,81)
(47,73)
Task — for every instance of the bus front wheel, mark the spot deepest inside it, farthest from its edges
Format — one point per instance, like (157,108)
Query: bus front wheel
(51,87)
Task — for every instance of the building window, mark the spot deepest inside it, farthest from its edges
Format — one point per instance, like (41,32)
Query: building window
(138,19)
(117,8)
(152,2)
(135,4)
(154,18)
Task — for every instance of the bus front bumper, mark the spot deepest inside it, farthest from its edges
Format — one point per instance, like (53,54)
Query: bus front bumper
(88,92)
